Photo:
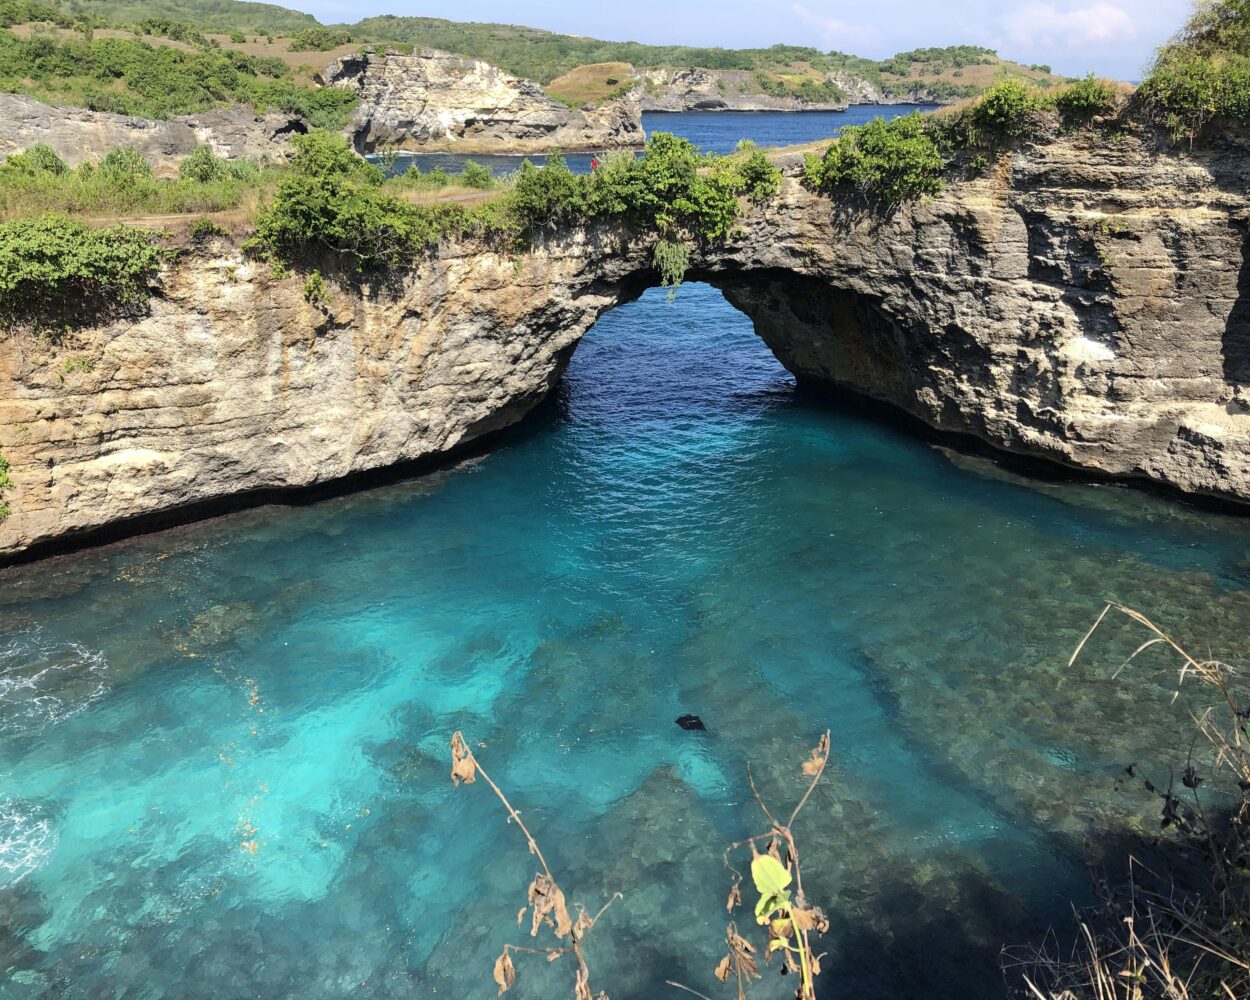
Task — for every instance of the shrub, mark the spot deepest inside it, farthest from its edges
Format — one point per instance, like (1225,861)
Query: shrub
(431,180)
(888,162)
(1082,101)
(1203,73)
(202,166)
(52,267)
(5,484)
(124,167)
(475,175)
(550,197)
(332,207)
(760,180)
(39,159)
(205,229)
(314,288)
(318,39)
(1006,109)
(671,196)
(238,38)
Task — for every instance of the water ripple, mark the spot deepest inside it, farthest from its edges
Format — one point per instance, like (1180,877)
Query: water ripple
(45,681)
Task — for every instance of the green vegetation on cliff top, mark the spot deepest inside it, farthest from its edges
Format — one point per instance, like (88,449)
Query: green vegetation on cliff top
(130,76)
(1203,74)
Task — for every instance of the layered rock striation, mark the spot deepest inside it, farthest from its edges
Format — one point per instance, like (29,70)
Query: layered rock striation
(1083,303)
(82,136)
(434,101)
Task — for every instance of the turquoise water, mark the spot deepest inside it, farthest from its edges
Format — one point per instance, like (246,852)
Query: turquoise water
(223,749)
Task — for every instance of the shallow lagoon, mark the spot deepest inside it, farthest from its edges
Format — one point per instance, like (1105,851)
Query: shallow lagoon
(223,749)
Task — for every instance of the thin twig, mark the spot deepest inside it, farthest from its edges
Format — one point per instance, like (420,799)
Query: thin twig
(679,986)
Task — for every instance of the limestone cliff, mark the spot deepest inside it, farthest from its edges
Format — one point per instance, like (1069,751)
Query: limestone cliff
(666,88)
(669,89)
(81,136)
(1086,304)
(435,101)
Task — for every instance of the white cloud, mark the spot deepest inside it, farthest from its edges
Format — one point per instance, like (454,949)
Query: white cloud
(835,33)
(1049,26)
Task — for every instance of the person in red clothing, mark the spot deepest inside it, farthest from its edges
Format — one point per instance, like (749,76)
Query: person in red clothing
(594,164)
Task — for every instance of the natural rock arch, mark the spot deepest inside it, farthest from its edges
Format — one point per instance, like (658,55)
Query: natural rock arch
(1073,304)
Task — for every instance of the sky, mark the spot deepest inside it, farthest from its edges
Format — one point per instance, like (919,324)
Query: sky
(1110,37)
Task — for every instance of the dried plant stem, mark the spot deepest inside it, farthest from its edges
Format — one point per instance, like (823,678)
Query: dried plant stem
(466,767)
(514,816)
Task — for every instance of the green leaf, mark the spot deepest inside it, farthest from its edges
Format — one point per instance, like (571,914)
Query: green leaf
(770,875)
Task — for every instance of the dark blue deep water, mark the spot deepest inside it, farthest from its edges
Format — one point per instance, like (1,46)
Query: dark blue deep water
(711,131)
(223,749)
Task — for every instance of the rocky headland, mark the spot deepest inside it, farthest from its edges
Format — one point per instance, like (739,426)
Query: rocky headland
(669,89)
(433,101)
(1082,302)
(672,89)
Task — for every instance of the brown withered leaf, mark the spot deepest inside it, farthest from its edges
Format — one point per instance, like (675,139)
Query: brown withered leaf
(463,766)
(553,955)
(820,754)
(738,943)
(810,918)
(505,972)
(735,897)
(722,969)
(742,950)
(549,907)
(775,850)
(520,916)
(584,923)
(814,964)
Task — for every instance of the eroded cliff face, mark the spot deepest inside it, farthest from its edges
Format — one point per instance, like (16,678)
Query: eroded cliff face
(1085,304)
(81,136)
(436,101)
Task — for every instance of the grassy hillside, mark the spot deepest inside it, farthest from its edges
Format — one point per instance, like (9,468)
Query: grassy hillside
(157,77)
(163,57)
(208,15)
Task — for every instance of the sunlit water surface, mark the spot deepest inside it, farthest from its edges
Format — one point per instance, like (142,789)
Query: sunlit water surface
(223,750)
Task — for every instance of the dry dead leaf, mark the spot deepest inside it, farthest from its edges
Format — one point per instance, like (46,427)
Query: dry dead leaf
(520,916)
(505,972)
(735,897)
(742,950)
(463,766)
(820,755)
(547,899)
(722,969)
(809,919)
(584,923)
